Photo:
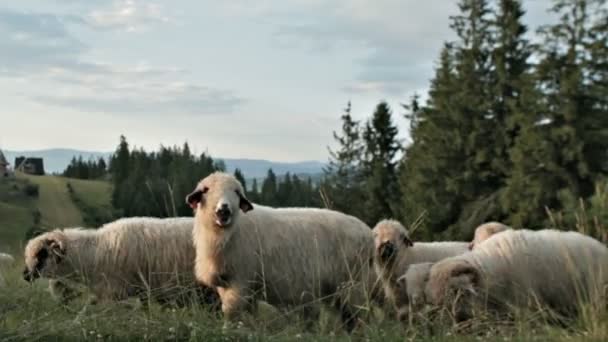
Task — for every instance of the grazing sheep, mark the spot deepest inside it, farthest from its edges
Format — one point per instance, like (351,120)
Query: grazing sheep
(394,252)
(6,260)
(411,286)
(129,257)
(547,268)
(484,231)
(286,257)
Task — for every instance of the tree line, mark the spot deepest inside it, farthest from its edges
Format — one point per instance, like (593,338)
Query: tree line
(156,183)
(509,130)
(86,169)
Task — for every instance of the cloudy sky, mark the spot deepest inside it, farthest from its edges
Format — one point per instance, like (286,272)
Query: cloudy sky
(239,78)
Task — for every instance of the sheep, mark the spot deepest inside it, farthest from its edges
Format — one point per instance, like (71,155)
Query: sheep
(484,231)
(6,261)
(410,288)
(128,257)
(395,251)
(285,256)
(522,268)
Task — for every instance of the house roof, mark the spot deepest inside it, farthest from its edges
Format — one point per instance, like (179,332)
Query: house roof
(3,159)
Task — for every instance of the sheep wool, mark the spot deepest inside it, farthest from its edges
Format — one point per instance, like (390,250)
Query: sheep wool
(286,257)
(129,257)
(395,252)
(553,269)
(484,231)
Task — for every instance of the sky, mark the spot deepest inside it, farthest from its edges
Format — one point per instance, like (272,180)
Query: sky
(263,79)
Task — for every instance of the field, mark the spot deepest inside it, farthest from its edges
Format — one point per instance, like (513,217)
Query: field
(28,313)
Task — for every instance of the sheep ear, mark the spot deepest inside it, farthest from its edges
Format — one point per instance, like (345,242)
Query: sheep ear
(407,241)
(244,203)
(57,248)
(194,198)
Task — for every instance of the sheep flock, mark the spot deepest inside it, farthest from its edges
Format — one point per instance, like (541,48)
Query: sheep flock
(234,254)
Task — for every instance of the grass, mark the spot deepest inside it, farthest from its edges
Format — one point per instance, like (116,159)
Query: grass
(93,192)
(54,202)
(28,313)
(93,199)
(13,222)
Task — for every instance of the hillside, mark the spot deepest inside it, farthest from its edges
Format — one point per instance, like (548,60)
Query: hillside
(57,207)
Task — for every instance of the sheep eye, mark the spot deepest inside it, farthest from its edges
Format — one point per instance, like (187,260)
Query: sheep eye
(205,190)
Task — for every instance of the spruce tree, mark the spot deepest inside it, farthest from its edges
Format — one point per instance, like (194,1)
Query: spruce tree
(268,194)
(380,165)
(342,183)
(238,174)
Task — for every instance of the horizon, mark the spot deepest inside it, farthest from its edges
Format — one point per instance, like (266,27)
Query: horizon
(248,80)
(79,151)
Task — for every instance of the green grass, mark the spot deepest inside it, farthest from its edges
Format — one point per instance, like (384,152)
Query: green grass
(54,202)
(93,199)
(94,193)
(14,220)
(27,313)
(56,206)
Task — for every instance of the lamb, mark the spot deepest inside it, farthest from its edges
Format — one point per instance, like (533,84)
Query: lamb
(484,231)
(6,260)
(144,257)
(395,251)
(284,256)
(412,284)
(523,268)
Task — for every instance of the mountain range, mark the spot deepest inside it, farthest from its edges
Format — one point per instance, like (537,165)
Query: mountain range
(57,159)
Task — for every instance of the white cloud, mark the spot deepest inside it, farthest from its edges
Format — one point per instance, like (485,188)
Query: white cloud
(39,51)
(127,15)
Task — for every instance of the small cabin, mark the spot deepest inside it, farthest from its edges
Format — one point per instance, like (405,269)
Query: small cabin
(4,166)
(29,165)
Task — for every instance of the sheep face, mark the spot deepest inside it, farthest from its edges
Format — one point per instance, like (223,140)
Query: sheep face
(389,237)
(218,197)
(449,279)
(414,281)
(484,231)
(44,256)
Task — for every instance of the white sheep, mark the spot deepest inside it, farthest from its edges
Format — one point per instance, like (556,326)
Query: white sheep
(412,285)
(394,252)
(485,230)
(523,268)
(6,261)
(129,257)
(286,257)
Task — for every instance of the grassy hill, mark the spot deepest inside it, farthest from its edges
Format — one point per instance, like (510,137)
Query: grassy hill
(54,204)
(56,207)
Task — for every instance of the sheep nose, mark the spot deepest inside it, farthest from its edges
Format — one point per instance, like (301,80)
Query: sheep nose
(28,276)
(387,250)
(223,209)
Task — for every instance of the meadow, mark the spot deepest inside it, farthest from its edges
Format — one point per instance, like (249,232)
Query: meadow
(27,312)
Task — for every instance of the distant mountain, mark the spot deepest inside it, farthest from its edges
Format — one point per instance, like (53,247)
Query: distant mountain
(257,168)
(56,160)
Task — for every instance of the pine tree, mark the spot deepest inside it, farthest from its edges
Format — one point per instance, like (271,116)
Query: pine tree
(253,194)
(431,168)
(380,166)
(240,177)
(268,194)
(342,177)
(564,151)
